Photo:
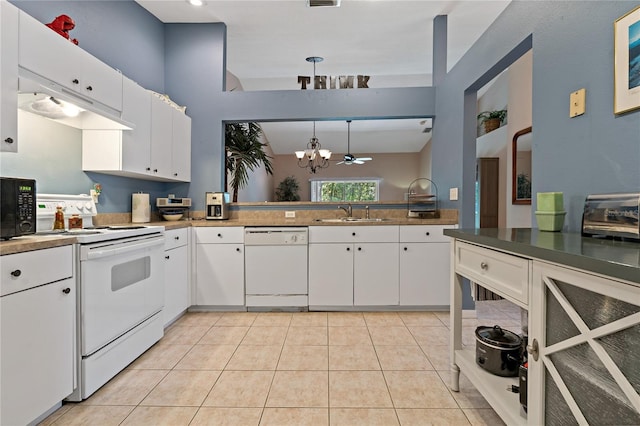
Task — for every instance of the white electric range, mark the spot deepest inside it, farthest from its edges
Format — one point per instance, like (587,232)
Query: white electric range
(120,288)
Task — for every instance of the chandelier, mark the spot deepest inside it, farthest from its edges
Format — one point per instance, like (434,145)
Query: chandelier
(314,157)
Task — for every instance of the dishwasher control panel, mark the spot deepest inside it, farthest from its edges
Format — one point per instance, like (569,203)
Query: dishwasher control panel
(275,236)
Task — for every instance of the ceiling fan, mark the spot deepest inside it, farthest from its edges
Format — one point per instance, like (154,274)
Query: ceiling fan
(348,158)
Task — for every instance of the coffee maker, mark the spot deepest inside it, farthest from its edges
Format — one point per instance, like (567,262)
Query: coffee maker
(217,205)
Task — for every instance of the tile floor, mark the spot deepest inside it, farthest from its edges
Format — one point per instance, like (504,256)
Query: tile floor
(307,368)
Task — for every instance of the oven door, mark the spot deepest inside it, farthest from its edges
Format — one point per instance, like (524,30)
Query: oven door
(121,285)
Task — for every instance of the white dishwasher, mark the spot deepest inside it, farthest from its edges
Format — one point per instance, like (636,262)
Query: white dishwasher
(276,267)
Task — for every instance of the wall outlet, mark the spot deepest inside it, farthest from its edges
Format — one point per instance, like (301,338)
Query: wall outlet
(453,194)
(290,215)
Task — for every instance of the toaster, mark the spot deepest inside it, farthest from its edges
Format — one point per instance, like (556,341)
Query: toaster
(612,215)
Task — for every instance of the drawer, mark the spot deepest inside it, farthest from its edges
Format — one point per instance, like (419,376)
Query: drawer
(176,238)
(424,233)
(220,235)
(22,271)
(354,234)
(502,273)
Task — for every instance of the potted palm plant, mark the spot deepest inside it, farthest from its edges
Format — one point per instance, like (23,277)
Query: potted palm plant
(287,190)
(244,153)
(492,119)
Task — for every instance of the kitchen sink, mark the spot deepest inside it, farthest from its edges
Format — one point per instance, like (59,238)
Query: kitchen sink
(352,219)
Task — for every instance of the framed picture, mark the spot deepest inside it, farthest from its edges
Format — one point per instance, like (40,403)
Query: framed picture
(626,38)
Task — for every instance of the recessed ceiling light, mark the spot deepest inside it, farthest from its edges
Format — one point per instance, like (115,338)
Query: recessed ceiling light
(196,2)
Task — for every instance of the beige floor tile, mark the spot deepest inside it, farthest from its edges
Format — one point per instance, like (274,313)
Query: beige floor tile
(430,335)
(169,416)
(311,335)
(129,387)
(240,389)
(227,417)
(389,335)
(445,317)
(88,415)
(347,335)
(432,416)
(309,319)
(427,319)
(361,357)
(363,417)
(204,319)
(358,389)
(402,358)
(160,357)
(224,335)
(483,417)
(255,357)
(383,319)
(299,357)
(265,335)
(182,388)
(273,319)
(207,357)
(438,355)
(236,319)
(418,389)
(51,418)
(299,389)
(183,335)
(346,319)
(467,396)
(295,417)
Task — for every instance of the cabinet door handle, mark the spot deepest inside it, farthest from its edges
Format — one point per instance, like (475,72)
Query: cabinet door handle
(353,234)
(348,248)
(405,249)
(9,140)
(176,238)
(219,235)
(534,350)
(484,266)
(359,248)
(155,170)
(66,290)
(75,81)
(166,257)
(427,233)
(16,273)
(175,174)
(89,88)
(148,169)
(238,250)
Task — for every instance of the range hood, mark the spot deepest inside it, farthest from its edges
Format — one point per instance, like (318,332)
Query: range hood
(50,100)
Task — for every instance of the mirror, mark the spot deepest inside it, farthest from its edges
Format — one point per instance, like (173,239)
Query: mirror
(521,172)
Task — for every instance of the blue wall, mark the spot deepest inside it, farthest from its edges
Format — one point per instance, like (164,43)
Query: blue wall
(572,49)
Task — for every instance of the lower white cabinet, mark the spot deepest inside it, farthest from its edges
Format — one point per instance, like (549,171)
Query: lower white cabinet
(38,333)
(177,291)
(219,266)
(353,266)
(424,266)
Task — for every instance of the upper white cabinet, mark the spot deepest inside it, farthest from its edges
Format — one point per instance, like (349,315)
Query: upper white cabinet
(81,75)
(9,77)
(424,266)
(158,148)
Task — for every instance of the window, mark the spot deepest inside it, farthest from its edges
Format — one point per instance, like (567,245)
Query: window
(367,189)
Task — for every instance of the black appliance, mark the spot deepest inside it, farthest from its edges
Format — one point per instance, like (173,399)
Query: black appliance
(17,207)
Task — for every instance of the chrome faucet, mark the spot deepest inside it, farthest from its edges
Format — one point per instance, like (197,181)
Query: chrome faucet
(348,210)
(366,215)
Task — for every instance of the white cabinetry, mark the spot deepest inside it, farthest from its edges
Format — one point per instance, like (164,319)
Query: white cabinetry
(158,148)
(587,331)
(56,59)
(38,333)
(9,77)
(504,274)
(353,266)
(219,266)
(424,266)
(177,294)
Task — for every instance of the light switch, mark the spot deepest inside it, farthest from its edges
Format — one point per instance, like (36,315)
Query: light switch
(453,194)
(576,103)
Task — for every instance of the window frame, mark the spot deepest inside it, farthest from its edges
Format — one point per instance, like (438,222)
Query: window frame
(316,186)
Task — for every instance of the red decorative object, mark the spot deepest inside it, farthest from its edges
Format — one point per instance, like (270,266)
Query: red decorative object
(62,25)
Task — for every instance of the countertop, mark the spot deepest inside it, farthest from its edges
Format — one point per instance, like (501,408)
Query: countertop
(616,259)
(36,242)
